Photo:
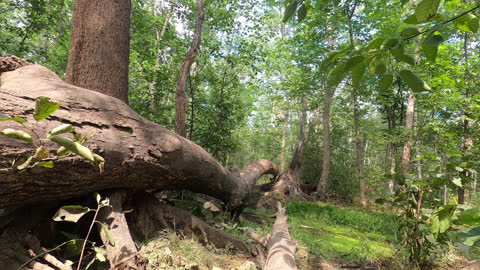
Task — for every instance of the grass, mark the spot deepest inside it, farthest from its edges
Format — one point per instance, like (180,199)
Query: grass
(325,234)
(341,234)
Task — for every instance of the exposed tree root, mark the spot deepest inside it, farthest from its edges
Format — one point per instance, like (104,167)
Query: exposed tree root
(151,216)
(121,253)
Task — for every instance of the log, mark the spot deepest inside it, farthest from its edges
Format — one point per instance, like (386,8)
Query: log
(281,248)
(139,154)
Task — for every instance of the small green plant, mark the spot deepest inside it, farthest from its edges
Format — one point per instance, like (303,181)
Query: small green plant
(42,156)
(426,225)
(73,213)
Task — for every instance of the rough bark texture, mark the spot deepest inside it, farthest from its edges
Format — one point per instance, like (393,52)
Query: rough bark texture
(281,248)
(139,154)
(409,122)
(295,168)
(100,46)
(181,97)
(322,183)
(122,253)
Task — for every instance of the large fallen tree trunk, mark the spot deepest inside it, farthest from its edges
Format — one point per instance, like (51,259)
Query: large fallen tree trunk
(139,154)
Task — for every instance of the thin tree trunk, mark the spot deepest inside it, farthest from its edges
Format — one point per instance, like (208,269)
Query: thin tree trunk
(284,142)
(323,182)
(409,122)
(181,96)
(295,167)
(160,33)
(359,149)
(467,122)
(100,47)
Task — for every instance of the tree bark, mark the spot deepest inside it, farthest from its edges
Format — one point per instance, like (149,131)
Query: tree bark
(295,167)
(281,248)
(322,184)
(409,122)
(139,154)
(359,149)
(181,96)
(100,47)
(284,142)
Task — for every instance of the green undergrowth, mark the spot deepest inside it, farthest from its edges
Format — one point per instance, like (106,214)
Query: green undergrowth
(341,234)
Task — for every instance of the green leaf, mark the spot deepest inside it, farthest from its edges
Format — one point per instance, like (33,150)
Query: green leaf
(336,75)
(412,19)
(405,58)
(467,22)
(414,82)
(380,68)
(385,82)
(108,234)
(22,163)
(390,43)
(290,10)
(434,40)
(354,61)
(430,52)
(62,151)
(73,146)
(44,108)
(441,220)
(410,31)
(426,9)
(71,213)
(4,117)
(375,43)
(473,24)
(332,57)
(46,164)
(357,74)
(66,128)
(457,181)
(472,235)
(73,248)
(302,12)
(470,216)
(17,134)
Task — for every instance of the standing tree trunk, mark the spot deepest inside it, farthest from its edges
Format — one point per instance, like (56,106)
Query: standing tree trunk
(322,184)
(284,142)
(295,167)
(359,149)
(100,47)
(409,122)
(98,60)
(181,97)
(158,61)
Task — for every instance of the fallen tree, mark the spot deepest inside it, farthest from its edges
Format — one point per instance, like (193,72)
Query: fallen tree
(139,155)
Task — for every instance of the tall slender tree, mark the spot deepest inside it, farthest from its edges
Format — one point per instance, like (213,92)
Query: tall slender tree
(181,96)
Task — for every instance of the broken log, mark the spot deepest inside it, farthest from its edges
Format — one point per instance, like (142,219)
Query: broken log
(139,154)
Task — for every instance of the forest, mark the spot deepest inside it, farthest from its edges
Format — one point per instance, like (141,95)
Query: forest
(239,134)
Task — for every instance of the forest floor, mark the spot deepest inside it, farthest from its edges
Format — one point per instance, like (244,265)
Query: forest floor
(329,237)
